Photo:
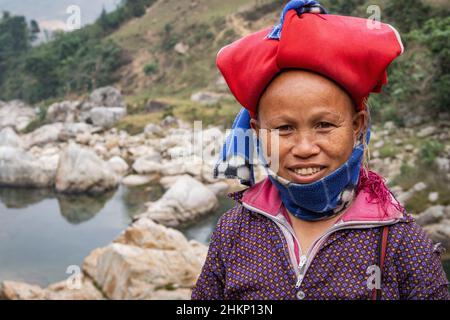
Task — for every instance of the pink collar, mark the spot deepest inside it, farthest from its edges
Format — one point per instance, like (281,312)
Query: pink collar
(264,196)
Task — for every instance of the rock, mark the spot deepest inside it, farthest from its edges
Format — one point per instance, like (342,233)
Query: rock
(427,131)
(109,97)
(389,125)
(443,164)
(440,232)
(219,188)
(376,154)
(181,48)
(64,291)
(433,196)
(104,107)
(169,121)
(379,144)
(153,129)
(409,148)
(105,117)
(183,203)
(135,180)
(16,114)
(168,181)
(74,130)
(81,170)
(20,169)
(147,234)
(118,165)
(12,290)
(83,138)
(8,137)
(148,164)
(432,215)
(206,98)
(420,186)
(447,212)
(129,272)
(65,111)
(48,133)
(147,261)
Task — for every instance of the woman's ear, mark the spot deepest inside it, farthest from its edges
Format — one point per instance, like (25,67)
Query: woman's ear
(254,124)
(359,122)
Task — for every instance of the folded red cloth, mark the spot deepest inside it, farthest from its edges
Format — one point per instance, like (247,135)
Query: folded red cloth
(353,52)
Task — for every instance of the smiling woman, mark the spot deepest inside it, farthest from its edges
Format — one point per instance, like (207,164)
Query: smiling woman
(321,225)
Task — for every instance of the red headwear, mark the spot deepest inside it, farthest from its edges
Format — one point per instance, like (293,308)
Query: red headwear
(354,52)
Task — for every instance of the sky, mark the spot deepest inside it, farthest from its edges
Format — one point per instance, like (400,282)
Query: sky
(52,15)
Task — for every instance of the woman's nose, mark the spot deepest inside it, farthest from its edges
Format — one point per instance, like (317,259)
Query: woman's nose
(304,145)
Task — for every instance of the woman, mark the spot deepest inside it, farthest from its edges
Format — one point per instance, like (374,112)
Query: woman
(321,225)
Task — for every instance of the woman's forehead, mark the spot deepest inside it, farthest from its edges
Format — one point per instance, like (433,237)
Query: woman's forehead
(306,93)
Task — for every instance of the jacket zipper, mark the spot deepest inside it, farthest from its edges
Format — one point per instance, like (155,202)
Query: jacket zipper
(301,268)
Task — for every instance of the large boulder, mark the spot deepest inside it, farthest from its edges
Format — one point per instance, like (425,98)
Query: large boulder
(65,111)
(440,232)
(185,201)
(20,169)
(48,133)
(81,170)
(104,107)
(16,114)
(148,261)
(12,290)
(8,137)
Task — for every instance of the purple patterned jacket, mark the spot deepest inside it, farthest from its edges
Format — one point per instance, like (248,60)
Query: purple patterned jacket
(254,254)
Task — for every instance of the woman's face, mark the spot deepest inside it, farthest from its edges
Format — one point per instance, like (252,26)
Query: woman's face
(316,121)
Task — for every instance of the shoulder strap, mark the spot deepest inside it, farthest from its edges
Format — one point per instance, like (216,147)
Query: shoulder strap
(381,253)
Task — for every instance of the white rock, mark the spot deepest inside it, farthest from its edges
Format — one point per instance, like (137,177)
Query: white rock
(420,186)
(433,196)
(48,133)
(219,188)
(443,164)
(150,163)
(183,203)
(427,131)
(118,165)
(65,111)
(81,170)
(16,114)
(134,180)
(432,215)
(20,169)
(8,137)
(181,48)
(440,232)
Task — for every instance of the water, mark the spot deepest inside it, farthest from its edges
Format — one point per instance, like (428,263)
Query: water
(42,233)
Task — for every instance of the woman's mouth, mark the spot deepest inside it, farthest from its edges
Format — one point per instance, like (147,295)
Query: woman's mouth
(306,175)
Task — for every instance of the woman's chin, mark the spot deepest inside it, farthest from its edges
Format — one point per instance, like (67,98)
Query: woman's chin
(304,179)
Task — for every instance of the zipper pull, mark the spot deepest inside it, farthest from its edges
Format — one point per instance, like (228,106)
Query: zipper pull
(299,281)
(302,261)
(300,276)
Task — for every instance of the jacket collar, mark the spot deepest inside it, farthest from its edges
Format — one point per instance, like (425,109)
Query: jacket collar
(265,197)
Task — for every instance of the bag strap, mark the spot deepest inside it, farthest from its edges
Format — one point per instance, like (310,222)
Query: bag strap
(381,254)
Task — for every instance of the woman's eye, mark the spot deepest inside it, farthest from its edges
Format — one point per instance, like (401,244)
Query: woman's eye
(324,125)
(284,129)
